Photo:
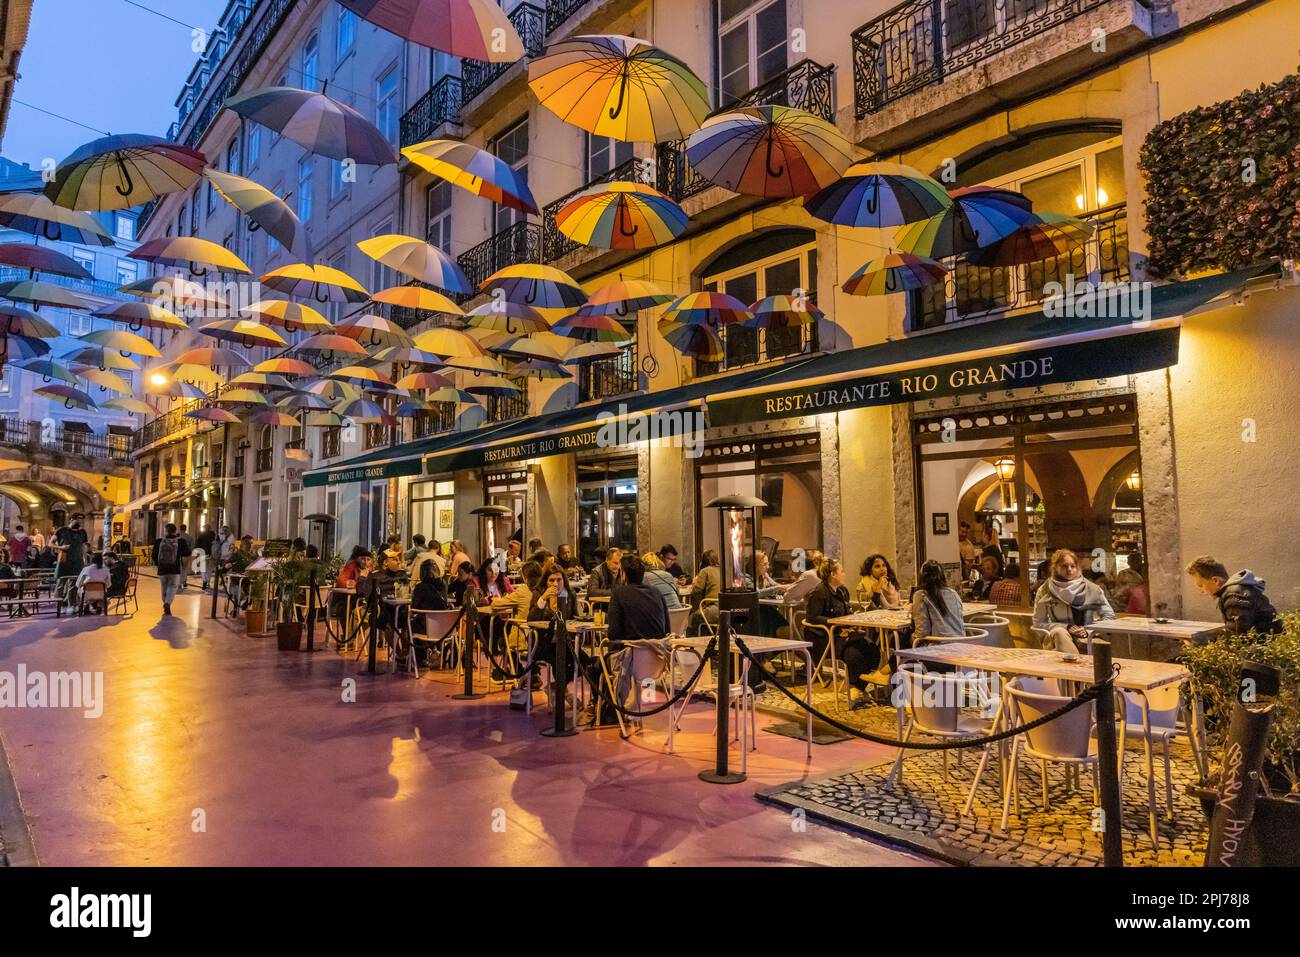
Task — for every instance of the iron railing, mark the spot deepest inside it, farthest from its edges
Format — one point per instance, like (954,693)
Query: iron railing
(520,242)
(501,408)
(969,292)
(56,437)
(554,243)
(743,346)
(920,42)
(440,104)
(441,417)
(559,11)
(605,378)
(807,86)
(476,75)
(171,421)
(96,287)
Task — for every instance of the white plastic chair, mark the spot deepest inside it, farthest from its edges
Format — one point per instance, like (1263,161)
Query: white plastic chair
(932,703)
(999,628)
(1067,739)
(678,618)
(973,636)
(1163,705)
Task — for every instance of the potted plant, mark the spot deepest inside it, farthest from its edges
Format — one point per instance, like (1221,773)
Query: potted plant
(289,574)
(255,613)
(1216,669)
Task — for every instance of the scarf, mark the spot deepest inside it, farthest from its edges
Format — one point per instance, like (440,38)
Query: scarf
(1072,592)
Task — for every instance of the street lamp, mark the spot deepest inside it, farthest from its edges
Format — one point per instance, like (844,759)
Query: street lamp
(1006,468)
(1134,481)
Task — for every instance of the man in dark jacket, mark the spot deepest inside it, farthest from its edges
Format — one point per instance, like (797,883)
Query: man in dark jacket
(169,556)
(606,576)
(204,543)
(1240,597)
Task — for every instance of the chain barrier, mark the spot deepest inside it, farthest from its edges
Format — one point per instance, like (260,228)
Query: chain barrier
(705,657)
(1088,694)
(509,675)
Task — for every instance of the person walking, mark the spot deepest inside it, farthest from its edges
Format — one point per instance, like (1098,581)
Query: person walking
(169,555)
(203,545)
(184,535)
(19,545)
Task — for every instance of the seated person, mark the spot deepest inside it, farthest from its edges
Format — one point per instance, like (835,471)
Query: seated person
(808,580)
(990,575)
(705,590)
(637,612)
(668,557)
(607,575)
(518,598)
(661,580)
(462,582)
(96,573)
(118,575)
(1067,603)
(1127,579)
(514,557)
(878,587)
(936,607)
(551,598)
(357,566)
(860,654)
(430,591)
(565,558)
(8,588)
(1006,590)
(1240,598)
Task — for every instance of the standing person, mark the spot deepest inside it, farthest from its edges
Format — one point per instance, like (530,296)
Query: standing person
(207,538)
(183,533)
(1240,598)
(37,538)
(71,544)
(223,546)
(936,608)
(19,544)
(1067,603)
(169,555)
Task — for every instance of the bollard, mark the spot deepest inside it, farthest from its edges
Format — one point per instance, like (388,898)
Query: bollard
(216,586)
(720,773)
(311,612)
(1112,835)
(560,638)
(469,622)
(373,602)
(1231,843)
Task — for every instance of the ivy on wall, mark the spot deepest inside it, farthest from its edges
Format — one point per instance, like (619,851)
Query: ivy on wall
(1223,183)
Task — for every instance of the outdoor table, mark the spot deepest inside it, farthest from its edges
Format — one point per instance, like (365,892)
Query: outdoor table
(1178,629)
(1134,675)
(759,645)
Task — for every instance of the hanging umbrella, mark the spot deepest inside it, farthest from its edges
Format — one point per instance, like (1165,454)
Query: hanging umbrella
(327,343)
(512,318)
(406,356)
(101,377)
(590,352)
(592,327)
(22,322)
(274,418)
(40,293)
(360,374)
(372,331)
(417,297)
(124,342)
(316,123)
(118,172)
(285,366)
(34,213)
(780,312)
(141,315)
(35,258)
(321,283)
(363,410)
(620,87)
(423,380)
(770,151)
(191,251)
(452,394)
(177,293)
(626,296)
(878,195)
(895,272)
(245,332)
(1045,236)
(73,398)
(332,389)
(536,285)
(178,389)
(101,358)
(21,347)
(493,385)
(522,347)
(290,316)
(475,170)
(243,397)
(706,308)
(127,403)
(194,373)
(448,343)
(978,216)
(621,215)
(267,381)
(693,340)
(417,259)
(483,363)
(540,369)
(211,413)
(304,400)
(478,29)
(323,420)
(264,209)
(48,370)
(213,357)
(410,408)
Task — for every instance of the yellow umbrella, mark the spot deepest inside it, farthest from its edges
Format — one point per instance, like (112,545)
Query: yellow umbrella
(291,316)
(361,374)
(213,356)
(282,365)
(448,343)
(123,342)
(417,259)
(417,297)
(246,332)
(243,397)
(475,170)
(101,358)
(193,372)
(321,283)
(188,250)
(101,377)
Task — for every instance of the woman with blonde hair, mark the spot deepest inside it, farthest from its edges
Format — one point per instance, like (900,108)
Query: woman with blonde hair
(1067,603)
(658,578)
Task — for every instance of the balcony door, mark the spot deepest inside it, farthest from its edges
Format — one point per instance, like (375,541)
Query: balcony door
(752,45)
(512,148)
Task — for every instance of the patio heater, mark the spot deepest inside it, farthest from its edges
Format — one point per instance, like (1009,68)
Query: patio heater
(487,527)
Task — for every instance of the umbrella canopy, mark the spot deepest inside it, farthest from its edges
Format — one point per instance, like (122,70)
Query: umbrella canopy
(590,352)
(360,374)
(621,215)
(620,87)
(267,381)
(512,318)
(73,398)
(101,377)
(212,413)
(406,355)
(878,196)
(305,400)
(193,372)
(213,357)
(178,389)
(290,316)
(475,170)
(176,292)
(1045,236)
(330,342)
(978,216)
(23,322)
(452,395)
(141,315)
(333,389)
(101,358)
(896,272)
(410,408)
(626,296)
(540,369)
(321,283)
(245,332)
(692,340)
(449,343)
(243,397)
(770,151)
(326,419)
(122,341)
(417,259)
(265,209)
(373,331)
(522,347)
(183,250)
(285,366)
(40,293)
(779,312)
(274,418)
(591,327)
(316,123)
(483,363)
(536,285)
(362,410)
(423,380)
(42,258)
(493,385)
(127,403)
(118,172)
(34,213)
(706,308)
(48,370)
(417,297)
(478,29)
(21,347)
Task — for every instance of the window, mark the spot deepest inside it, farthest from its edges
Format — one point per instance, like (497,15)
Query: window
(180,220)
(331,442)
(125,227)
(304,188)
(212,197)
(4,380)
(605,154)
(387,105)
(512,147)
(79,323)
(126,272)
(85,260)
(264,510)
(606,505)
(381,277)
(338,183)
(311,62)
(376,435)
(194,212)
(345,34)
(265,449)
(437,205)
(751,45)
(232,157)
(254,146)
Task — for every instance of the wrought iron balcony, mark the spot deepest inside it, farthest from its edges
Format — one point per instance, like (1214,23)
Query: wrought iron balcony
(172,421)
(477,76)
(743,346)
(920,42)
(559,11)
(502,408)
(519,243)
(605,378)
(440,104)
(95,287)
(440,418)
(554,243)
(55,438)
(806,86)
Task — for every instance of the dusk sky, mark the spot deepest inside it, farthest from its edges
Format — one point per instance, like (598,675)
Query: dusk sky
(106,63)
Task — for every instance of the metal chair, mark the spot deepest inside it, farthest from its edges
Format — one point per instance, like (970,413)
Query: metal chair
(973,636)
(440,622)
(1162,707)
(678,619)
(92,593)
(119,602)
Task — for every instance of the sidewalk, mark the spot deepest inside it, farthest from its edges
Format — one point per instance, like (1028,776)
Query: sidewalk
(216,749)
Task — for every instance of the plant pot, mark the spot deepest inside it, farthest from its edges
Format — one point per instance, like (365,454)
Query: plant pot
(288,635)
(1271,837)
(255,621)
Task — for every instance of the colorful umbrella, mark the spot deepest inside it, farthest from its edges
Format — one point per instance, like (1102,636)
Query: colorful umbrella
(483,363)
(590,352)
(31,257)
(478,29)
(178,389)
(188,250)
(493,385)
(290,316)
(118,172)
(978,216)
(372,331)
(21,347)
(213,357)
(34,213)
(406,356)
(417,259)
(305,400)
(878,195)
(316,123)
(360,374)
(141,315)
(123,342)
(621,215)
(512,318)
(177,293)
(285,366)
(48,370)
(423,380)
(452,394)
(321,283)
(211,413)
(692,340)
(127,403)
(706,308)
(1046,236)
(192,372)
(265,209)
(448,343)
(536,285)
(475,170)
(244,332)
(411,407)
(540,369)
(895,272)
(101,358)
(73,398)
(620,87)
(626,296)
(417,297)
(274,418)
(23,322)
(591,327)
(363,410)
(780,312)
(333,389)
(243,397)
(770,151)
(327,342)
(101,377)
(522,347)
(267,381)
(40,293)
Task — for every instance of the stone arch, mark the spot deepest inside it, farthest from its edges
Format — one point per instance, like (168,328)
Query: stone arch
(40,480)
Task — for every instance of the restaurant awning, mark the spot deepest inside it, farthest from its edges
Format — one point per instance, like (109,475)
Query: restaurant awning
(171,498)
(137,504)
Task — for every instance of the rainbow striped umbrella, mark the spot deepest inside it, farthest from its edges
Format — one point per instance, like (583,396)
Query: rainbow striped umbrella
(321,283)
(406,356)
(267,381)
(419,260)
(978,216)
(770,151)
(188,250)
(328,342)
(290,316)
(502,315)
(621,215)
(21,347)
(48,370)
(423,380)
(475,170)
(34,213)
(245,332)
(177,292)
(620,87)
(73,398)
(118,172)
(417,297)
(274,418)
(123,342)
(693,340)
(178,389)
(706,309)
(591,327)
(213,357)
(23,322)
(536,285)
(895,272)
(212,413)
(316,123)
(363,410)
(779,312)
(478,29)
(372,331)
(360,374)
(308,401)
(283,365)
(265,209)
(878,196)
(452,394)
(626,296)
(1046,236)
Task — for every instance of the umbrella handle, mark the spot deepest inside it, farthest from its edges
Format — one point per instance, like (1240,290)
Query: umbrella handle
(510,327)
(617,108)
(198,272)
(46,378)
(620,309)
(768,162)
(123,353)
(968,231)
(622,222)
(135,326)
(126,175)
(53,236)
(532,292)
(67,403)
(253,225)
(374,338)
(872,197)
(315,294)
(890,284)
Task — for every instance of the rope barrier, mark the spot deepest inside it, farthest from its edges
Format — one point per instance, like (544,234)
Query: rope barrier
(1088,694)
(686,688)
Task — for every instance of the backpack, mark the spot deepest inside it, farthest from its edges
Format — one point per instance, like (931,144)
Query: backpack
(169,550)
